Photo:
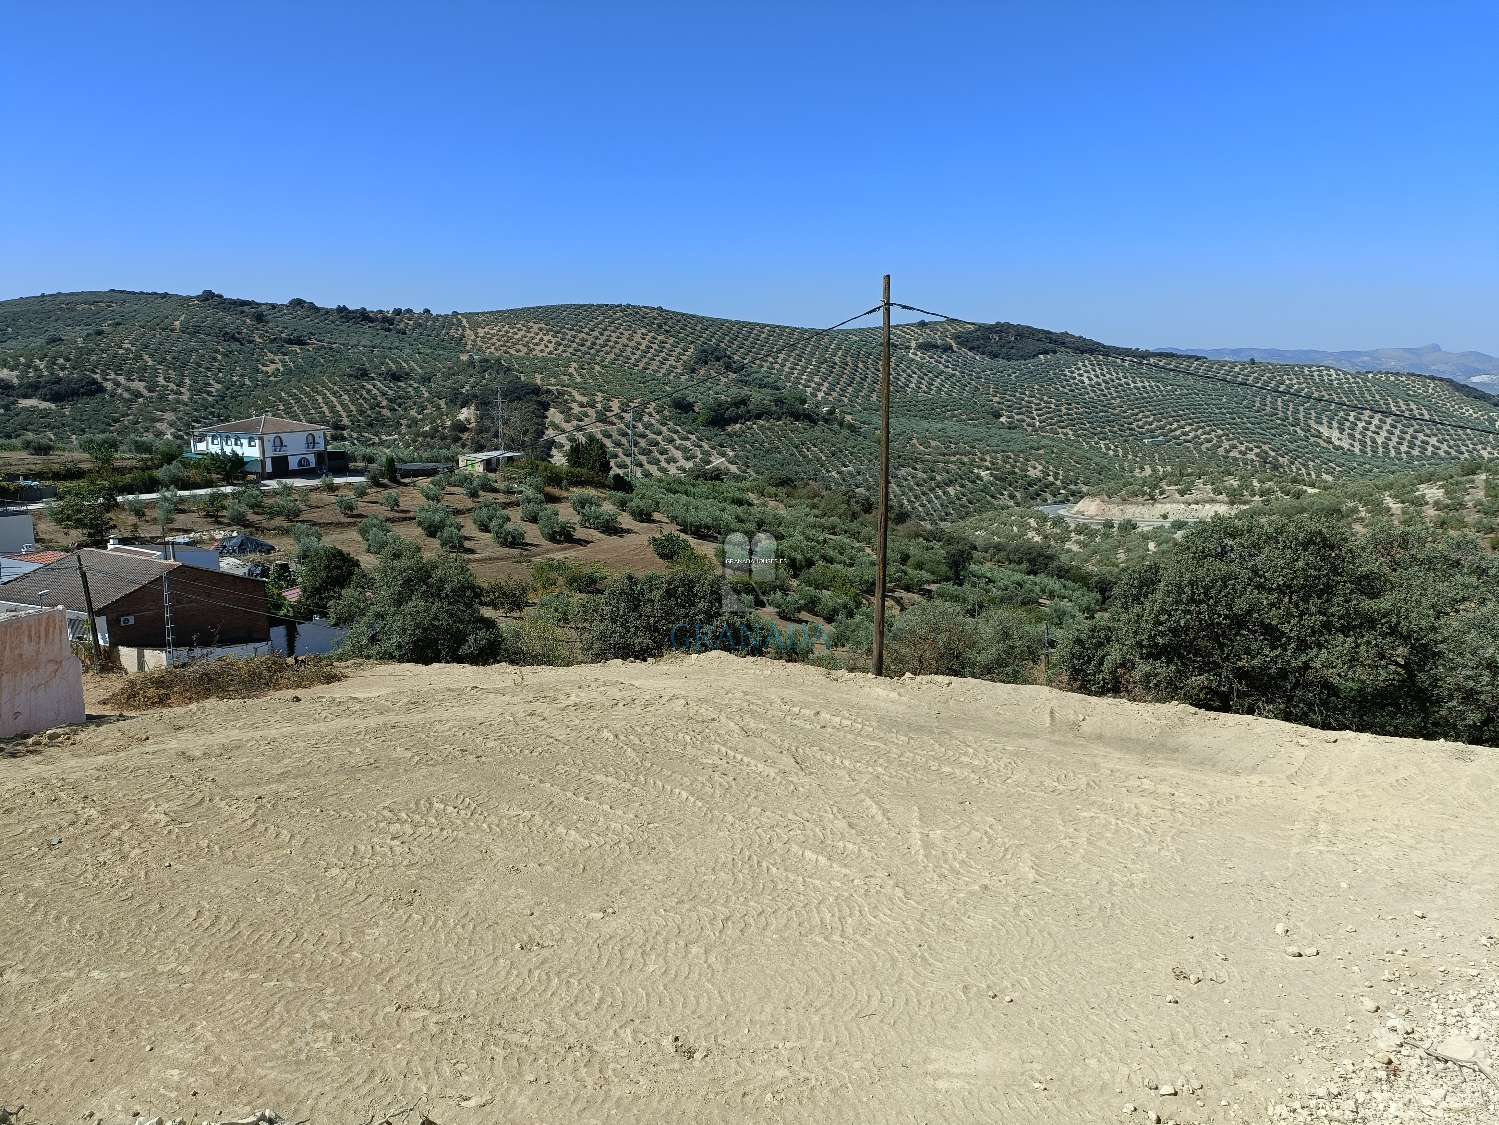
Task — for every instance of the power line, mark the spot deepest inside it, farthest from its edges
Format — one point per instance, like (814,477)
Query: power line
(1229,381)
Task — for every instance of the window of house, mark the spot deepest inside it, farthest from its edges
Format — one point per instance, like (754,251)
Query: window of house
(214,438)
(277,443)
(311,441)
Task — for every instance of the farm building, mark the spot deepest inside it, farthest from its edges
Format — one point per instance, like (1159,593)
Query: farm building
(271,446)
(491,461)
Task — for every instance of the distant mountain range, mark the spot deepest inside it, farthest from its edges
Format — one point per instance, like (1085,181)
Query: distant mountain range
(1477,368)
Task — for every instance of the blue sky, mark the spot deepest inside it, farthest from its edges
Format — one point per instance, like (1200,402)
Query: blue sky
(1195,174)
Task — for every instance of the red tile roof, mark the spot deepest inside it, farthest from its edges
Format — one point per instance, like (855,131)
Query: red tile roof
(42,557)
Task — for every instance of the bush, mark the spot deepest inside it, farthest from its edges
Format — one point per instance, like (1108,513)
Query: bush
(361,489)
(376,533)
(554,529)
(324,572)
(508,595)
(509,535)
(671,547)
(600,518)
(391,499)
(420,611)
(220,679)
(490,515)
(212,505)
(450,538)
(635,618)
(590,456)
(432,518)
(1306,619)
(347,506)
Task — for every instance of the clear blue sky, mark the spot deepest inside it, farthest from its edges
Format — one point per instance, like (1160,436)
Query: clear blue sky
(1197,174)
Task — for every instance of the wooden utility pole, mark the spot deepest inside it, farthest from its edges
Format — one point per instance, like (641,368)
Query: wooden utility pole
(632,444)
(88,605)
(884,517)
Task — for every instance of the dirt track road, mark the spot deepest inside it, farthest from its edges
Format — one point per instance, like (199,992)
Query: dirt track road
(720,890)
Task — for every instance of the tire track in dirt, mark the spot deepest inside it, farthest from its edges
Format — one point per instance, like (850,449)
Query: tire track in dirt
(706,889)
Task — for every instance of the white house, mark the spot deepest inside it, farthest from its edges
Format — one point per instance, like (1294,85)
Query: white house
(271,446)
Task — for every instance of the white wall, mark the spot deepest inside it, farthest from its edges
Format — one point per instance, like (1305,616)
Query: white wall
(314,638)
(41,681)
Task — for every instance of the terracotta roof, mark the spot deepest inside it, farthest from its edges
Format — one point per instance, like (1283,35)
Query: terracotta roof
(264,424)
(41,557)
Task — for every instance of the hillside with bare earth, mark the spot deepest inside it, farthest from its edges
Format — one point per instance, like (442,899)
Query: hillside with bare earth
(713,889)
(986,415)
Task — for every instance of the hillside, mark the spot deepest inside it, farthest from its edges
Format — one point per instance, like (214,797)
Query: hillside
(714,889)
(1477,368)
(985,415)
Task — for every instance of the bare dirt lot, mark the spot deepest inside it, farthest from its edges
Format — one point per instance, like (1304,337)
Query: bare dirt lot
(713,889)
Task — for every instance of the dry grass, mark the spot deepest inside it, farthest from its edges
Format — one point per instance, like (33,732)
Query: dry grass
(220,679)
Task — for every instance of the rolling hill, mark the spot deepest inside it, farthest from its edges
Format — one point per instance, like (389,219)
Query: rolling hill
(1478,368)
(985,415)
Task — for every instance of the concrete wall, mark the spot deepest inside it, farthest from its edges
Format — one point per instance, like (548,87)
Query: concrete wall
(134,659)
(41,681)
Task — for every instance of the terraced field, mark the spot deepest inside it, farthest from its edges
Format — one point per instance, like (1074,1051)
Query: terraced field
(973,431)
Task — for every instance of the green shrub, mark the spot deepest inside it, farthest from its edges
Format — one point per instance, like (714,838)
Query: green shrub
(376,533)
(671,547)
(450,538)
(600,518)
(1307,619)
(489,515)
(553,528)
(391,499)
(509,535)
(635,618)
(432,518)
(421,611)
(324,572)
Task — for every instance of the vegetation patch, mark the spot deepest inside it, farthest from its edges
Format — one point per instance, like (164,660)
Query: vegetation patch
(220,679)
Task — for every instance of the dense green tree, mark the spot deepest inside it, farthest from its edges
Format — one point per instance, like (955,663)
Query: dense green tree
(418,610)
(1308,619)
(324,572)
(87,508)
(590,456)
(635,618)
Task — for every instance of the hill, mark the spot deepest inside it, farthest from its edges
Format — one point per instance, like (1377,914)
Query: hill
(715,889)
(986,415)
(1477,368)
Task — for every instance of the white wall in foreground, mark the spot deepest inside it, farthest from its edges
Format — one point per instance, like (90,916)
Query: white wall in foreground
(41,681)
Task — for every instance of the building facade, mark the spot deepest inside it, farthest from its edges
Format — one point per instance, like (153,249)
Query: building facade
(271,446)
(132,597)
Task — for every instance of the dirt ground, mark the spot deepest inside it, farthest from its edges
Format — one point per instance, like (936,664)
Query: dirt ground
(711,889)
(628,549)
